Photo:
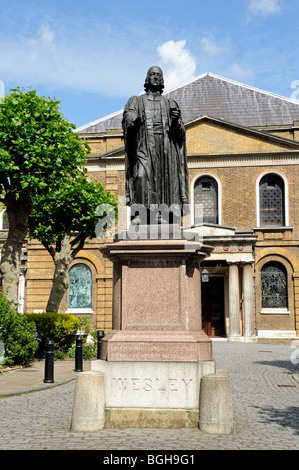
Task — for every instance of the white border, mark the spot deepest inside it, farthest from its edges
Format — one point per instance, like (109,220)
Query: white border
(275,311)
(279,334)
(80,311)
(1,220)
(210,175)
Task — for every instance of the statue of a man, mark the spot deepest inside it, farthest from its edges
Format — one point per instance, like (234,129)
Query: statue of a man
(156,163)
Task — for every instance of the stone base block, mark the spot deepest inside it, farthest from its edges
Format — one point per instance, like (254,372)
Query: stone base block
(215,406)
(153,385)
(145,418)
(171,346)
(89,402)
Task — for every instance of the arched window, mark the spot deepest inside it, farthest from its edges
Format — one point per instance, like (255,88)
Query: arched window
(272,201)
(206,197)
(274,286)
(80,287)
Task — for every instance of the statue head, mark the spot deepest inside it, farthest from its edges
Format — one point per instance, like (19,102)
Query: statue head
(154,79)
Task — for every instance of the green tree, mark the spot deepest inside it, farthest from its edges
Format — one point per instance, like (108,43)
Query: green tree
(64,219)
(38,150)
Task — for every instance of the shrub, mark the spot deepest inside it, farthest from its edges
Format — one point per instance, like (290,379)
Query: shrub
(57,327)
(17,333)
(88,351)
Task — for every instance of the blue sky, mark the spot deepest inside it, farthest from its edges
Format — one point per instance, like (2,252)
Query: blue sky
(93,55)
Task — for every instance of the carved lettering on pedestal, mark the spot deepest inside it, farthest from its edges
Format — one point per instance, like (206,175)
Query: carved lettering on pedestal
(120,384)
(141,351)
(147,384)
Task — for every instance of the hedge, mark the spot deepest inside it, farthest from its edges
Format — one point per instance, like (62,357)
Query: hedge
(57,327)
(17,334)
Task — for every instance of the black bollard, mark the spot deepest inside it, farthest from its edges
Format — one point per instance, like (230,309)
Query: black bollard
(100,336)
(79,355)
(49,363)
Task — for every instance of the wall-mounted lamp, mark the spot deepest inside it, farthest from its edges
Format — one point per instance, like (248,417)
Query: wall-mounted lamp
(205,276)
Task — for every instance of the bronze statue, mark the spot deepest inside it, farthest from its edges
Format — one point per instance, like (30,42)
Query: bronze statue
(156,163)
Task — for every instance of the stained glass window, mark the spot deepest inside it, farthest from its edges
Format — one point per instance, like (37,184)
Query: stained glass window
(272,201)
(206,193)
(274,286)
(80,287)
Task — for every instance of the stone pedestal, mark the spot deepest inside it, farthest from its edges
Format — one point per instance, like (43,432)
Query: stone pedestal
(152,394)
(156,301)
(155,355)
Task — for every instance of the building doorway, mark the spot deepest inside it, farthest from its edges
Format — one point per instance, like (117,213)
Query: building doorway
(212,296)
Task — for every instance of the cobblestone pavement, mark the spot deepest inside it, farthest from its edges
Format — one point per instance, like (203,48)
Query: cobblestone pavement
(265,401)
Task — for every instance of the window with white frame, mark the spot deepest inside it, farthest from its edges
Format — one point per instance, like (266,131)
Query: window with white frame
(206,195)
(272,201)
(4,220)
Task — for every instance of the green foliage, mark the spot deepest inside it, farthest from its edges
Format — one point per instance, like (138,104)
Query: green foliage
(18,335)
(57,327)
(70,209)
(39,150)
(38,147)
(89,351)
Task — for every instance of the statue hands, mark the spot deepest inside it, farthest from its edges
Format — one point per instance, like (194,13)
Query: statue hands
(132,121)
(136,123)
(175,114)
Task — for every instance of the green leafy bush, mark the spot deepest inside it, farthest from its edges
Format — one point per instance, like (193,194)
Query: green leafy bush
(89,351)
(57,327)
(17,333)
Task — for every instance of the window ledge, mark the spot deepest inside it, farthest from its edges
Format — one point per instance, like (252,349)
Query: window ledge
(272,229)
(275,311)
(79,310)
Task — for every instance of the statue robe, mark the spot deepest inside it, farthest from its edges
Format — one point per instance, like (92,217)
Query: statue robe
(156,163)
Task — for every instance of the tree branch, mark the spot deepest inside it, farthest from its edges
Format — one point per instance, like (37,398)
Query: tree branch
(77,239)
(50,250)
(79,247)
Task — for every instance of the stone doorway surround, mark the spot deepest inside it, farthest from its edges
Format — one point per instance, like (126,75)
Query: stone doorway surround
(234,252)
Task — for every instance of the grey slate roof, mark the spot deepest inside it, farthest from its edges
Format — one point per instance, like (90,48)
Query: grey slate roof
(218,98)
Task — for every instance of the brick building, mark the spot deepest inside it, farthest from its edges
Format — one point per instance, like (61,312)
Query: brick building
(243,158)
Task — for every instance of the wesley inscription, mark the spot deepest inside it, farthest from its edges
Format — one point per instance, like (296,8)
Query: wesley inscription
(153,384)
(147,384)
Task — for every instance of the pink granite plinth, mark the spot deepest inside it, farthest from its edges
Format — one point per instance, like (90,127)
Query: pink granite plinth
(156,302)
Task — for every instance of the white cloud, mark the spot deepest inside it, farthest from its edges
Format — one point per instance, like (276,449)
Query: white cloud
(210,47)
(239,72)
(101,60)
(265,7)
(46,35)
(177,62)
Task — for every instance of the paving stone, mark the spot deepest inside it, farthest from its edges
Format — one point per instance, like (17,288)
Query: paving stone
(266,414)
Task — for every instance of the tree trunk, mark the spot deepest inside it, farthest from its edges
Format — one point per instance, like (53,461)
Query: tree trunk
(18,211)
(62,259)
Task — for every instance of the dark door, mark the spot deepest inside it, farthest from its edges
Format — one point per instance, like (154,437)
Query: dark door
(213,306)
